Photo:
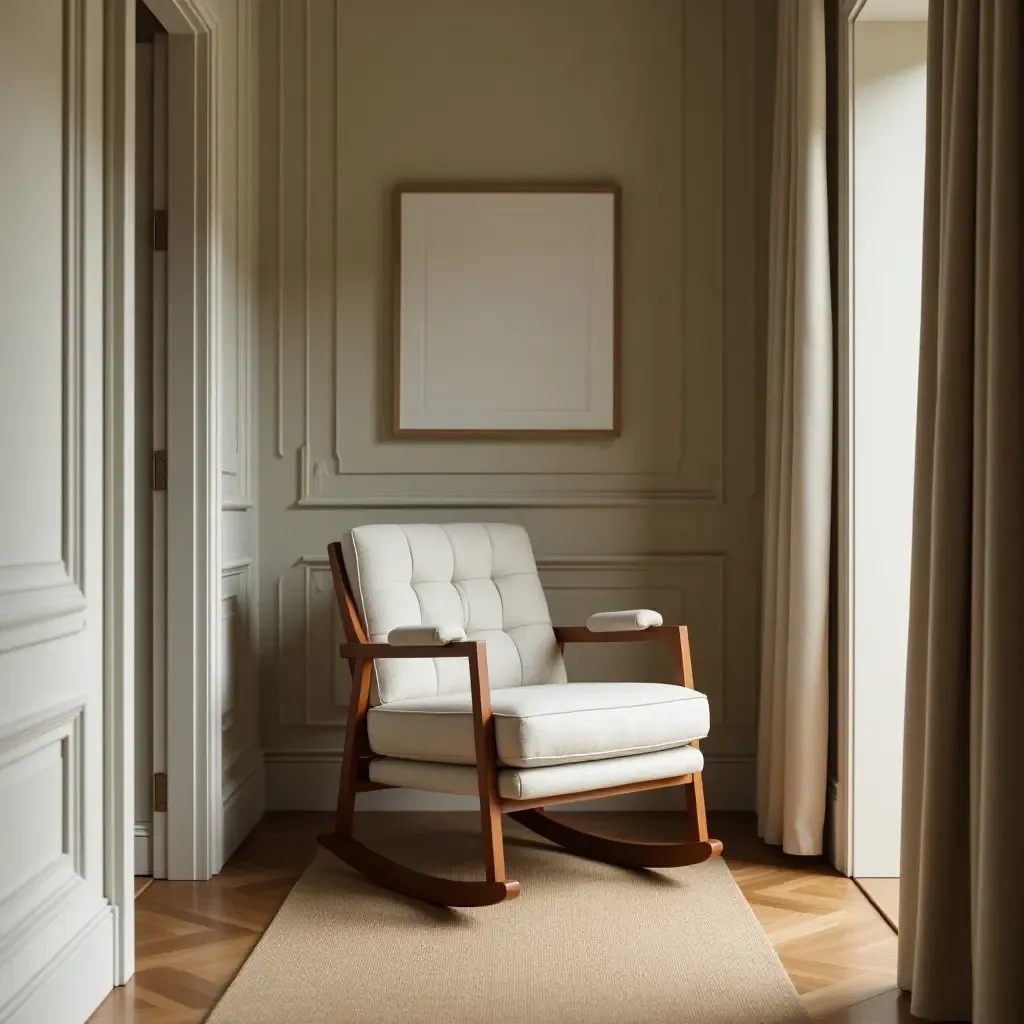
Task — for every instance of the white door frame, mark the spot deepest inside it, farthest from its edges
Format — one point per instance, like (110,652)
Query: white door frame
(194,478)
(842,803)
(119,478)
(193,825)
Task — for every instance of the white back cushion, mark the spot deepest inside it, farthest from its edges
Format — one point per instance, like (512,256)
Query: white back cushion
(481,576)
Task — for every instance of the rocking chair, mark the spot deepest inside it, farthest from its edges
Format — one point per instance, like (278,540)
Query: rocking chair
(458,686)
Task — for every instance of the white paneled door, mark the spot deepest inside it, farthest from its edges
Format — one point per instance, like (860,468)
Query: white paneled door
(56,925)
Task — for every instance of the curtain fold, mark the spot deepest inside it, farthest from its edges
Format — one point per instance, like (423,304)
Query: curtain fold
(793,726)
(961,940)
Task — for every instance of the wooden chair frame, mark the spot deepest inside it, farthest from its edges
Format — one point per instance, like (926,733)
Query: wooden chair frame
(361,655)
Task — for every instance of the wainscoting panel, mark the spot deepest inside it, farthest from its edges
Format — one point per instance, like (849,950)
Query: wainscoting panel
(56,923)
(241,753)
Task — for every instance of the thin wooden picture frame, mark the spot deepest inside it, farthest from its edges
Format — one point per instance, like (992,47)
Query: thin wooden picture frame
(413,187)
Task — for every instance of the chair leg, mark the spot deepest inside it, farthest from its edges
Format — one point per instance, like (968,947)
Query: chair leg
(354,735)
(444,892)
(487,770)
(696,813)
(494,844)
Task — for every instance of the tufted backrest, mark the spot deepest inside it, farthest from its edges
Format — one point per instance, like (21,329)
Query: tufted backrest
(480,576)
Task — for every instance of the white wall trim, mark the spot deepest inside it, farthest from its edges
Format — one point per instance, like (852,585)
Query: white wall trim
(38,898)
(314,472)
(551,563)
(236,486)
(119,478)
(244,805)
(44,601)
(243,788)
(75,981)
(842,806)
(307,780)
(38,602)
(193,579)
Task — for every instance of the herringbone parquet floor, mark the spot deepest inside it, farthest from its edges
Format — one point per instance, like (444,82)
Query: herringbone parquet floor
(191,937)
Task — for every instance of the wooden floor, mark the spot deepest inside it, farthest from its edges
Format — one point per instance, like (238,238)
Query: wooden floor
(191,937)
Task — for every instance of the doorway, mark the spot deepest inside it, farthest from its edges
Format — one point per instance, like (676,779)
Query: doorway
(151,445)
(884,102)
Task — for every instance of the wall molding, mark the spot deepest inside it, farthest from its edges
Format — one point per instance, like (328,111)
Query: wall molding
(44,601)
(244,805)
(38,603)
(34,899)
(74,289)
(236,486)
(233,711)
(314,472)
(70,985)
(242,596)
(243,790)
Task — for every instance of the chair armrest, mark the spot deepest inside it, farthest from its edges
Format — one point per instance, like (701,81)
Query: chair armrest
(621,622)
(475,651)
(425,636)
(583,635)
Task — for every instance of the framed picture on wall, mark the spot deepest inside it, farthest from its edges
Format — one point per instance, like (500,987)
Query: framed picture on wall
(506,310)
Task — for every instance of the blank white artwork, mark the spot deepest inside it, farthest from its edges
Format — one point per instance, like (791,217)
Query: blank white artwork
(506,311)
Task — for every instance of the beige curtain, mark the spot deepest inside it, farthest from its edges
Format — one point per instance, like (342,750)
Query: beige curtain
(793,730)
(961,942)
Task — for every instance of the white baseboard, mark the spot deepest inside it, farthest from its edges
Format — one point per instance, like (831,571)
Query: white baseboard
(143,848)
(244,807)
(307,780)
(74,983)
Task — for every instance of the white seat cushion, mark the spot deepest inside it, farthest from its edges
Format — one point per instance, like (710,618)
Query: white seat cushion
(537,783)
(556,723)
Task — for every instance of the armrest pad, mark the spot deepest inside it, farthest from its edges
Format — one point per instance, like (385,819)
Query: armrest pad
(425,636)
(617,622)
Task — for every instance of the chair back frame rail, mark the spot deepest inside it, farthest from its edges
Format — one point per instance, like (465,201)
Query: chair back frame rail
(496,887)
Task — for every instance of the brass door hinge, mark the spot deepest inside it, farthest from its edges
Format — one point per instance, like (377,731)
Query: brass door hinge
(160,791)
(160,470)
(159,231)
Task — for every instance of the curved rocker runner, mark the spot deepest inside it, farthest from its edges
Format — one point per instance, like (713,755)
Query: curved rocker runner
(535,742)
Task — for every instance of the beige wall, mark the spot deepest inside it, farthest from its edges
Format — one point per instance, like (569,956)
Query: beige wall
(242,766)
(671,99)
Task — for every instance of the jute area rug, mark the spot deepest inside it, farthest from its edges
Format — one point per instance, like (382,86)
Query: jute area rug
(585,942)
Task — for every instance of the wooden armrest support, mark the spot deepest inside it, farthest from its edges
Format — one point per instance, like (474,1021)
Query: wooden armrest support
(370,652)
(677,637)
